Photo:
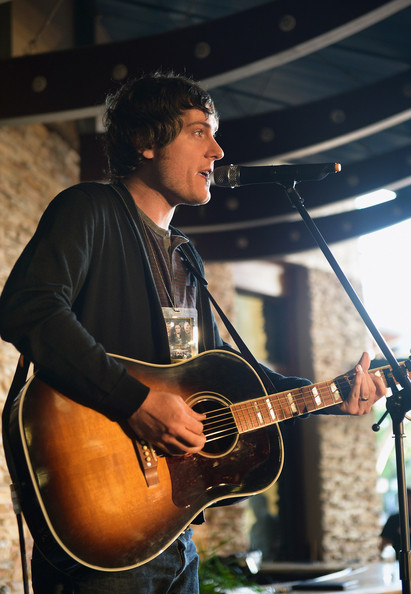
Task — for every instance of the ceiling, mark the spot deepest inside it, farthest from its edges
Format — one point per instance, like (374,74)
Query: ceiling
(294,82)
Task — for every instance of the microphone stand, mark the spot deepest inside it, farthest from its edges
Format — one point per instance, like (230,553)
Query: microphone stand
(397,404)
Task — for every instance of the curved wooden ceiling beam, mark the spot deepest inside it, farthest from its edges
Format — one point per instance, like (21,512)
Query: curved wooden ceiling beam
(308,129)
(309,34)
(72,84)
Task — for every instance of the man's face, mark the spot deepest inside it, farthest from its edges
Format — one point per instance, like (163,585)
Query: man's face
(180,171)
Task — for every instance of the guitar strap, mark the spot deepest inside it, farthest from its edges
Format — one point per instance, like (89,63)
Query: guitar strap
(20,376)
(17,384)
(269,385)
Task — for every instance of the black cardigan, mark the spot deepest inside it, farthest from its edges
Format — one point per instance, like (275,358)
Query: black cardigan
(83,288)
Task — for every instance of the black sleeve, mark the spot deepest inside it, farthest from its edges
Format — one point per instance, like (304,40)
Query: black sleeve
(391,528)
(36,312)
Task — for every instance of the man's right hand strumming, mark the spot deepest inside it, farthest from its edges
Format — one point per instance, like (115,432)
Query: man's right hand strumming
(168,423)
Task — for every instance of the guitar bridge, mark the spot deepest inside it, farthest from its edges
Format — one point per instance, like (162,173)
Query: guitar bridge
(148,462)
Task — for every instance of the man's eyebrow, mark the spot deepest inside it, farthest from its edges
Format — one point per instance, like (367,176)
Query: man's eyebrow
(202,123)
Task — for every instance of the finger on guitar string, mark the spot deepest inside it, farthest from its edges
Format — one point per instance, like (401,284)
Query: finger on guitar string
(166,421)
(366,389)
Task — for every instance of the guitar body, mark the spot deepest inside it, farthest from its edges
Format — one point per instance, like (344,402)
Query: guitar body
(90,498)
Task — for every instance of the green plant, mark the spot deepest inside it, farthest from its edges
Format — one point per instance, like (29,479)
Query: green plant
(218,575)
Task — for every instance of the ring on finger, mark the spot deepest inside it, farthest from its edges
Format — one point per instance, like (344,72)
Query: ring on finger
(363,399)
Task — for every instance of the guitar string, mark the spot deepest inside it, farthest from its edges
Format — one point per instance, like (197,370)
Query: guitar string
(281,398)
(250,406)
(220,432)
(212,427)
(301,397)
(251,425)
(231,428)
(247,408)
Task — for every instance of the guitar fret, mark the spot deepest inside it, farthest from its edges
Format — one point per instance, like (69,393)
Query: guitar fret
(389,379)
(248,419)
(311,402)
(280,410)
(290,408)
(320,396)
(385,374)
(270,409)
(335,392)
(335,395)
(316,396)
(248,416)
(292,405)
(258,414)
(266,419)
(239,417)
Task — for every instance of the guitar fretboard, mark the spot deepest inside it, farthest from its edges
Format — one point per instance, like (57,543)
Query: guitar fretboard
(274,408)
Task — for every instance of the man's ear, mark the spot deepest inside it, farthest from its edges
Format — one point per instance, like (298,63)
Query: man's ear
(148,153)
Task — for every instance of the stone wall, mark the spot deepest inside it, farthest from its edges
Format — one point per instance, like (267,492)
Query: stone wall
(346,446)
(350,505)
(35,164)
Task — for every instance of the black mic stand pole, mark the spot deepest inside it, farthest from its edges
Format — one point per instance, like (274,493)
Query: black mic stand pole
(397,404)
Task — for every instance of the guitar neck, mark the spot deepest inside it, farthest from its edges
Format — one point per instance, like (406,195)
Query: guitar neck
(274,408)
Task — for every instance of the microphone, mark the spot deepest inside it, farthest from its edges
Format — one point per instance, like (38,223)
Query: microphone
(232,176)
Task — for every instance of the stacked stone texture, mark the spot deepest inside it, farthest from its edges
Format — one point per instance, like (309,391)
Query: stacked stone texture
(35,164)
(350,505)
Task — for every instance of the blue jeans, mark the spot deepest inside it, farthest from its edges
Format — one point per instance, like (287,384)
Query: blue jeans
(175,571)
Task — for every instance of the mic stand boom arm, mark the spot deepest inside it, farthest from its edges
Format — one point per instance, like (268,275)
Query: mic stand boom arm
(397,404)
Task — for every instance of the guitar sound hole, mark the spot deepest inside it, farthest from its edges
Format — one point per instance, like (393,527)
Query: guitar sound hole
(219,426)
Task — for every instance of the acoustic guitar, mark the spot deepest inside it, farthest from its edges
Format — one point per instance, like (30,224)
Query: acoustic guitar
(94,495)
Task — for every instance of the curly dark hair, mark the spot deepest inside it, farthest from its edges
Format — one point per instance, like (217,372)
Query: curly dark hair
(146,112)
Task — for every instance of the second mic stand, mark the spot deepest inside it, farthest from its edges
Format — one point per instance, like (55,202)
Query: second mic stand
(397,404)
